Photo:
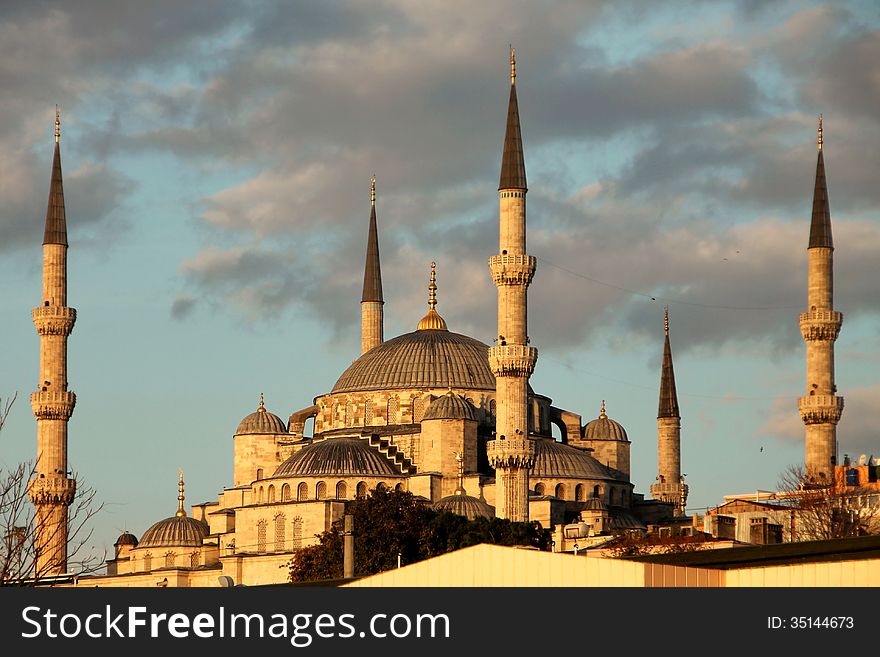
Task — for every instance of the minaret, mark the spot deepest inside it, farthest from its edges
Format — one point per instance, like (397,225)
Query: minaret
(371,300)
(820,408)
(669,486)
(512,360)
(51,490)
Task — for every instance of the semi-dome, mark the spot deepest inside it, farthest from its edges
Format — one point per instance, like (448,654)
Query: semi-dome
(449,407)
(604,428)
(261,421)
(557,460)
(337,457)
(465,505)
(176,531)
(421,359)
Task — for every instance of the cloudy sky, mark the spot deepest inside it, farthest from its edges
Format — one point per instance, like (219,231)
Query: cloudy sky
(217,159)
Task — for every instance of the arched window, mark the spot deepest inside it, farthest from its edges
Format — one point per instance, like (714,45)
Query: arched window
(259,473)
(368,412)
(260,495)
(393,409)
(271,494)
(194,560)
(381,486)
(362,489)
(560,491)
(579,493)
(349,414)
(285,493)
(302,491)
(148,562)
(169,559)
(492,407)
(398,487)
(341,490)
(596,490)
(297,532)
(539,489)
(261,536)
(418,409)
(279,532)
(321,491)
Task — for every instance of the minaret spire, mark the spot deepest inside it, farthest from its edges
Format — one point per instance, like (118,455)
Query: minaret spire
(513,359)
(51,491)
(432,321)
(372,320)
(669,486)
(821,407)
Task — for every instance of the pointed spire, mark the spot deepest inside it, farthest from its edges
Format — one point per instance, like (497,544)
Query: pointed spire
(372,270)
(820,226)
(180,512)
(668,396)
(432,321)
(56,222)
(513,166)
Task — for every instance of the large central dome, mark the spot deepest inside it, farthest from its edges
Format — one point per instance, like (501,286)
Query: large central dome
(421,359)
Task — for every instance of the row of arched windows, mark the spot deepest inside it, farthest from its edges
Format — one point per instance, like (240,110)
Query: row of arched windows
(616,496)
(267,494)
(279,523)
(170,560)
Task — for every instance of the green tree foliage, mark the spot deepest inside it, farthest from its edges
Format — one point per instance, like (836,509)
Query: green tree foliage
(390,523)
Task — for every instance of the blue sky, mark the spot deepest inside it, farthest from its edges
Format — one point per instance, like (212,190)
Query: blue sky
(217,160)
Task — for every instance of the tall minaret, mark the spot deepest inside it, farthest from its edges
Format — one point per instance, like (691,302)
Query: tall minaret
(51,490)
(820,409)
(371,300)
(669,486)
(512,360)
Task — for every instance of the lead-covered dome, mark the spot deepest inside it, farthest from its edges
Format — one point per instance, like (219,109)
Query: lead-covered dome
(261,421)
(421,359)
(604,428)
(449,407)
(557,460)
(337,457)
(176,531)
(465,505)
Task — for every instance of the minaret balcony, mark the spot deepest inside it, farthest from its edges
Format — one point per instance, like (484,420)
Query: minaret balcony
(821,324)
(512,269)
(513,360)
(54,320)
(820,409)
(53,405)
(53,489)
(516,452)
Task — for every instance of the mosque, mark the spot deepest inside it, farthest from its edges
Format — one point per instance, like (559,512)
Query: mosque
(445,416)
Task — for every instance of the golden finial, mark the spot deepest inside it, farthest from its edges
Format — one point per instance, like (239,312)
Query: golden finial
(180,512)
(432,320)
(460,458)
(262,407)
(512,65)
(820,133)
(57,124)
(373,190)
(666,320)
(602,415)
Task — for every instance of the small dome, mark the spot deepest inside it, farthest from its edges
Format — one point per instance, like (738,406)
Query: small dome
(176,531)
(465,505)
(449,407)
(595,504)
(337,456)
(604,428)
(126,539)
(261,421)
(553,459)
(432,321)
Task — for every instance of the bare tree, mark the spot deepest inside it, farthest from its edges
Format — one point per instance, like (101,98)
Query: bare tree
(19,549)
(835,510)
